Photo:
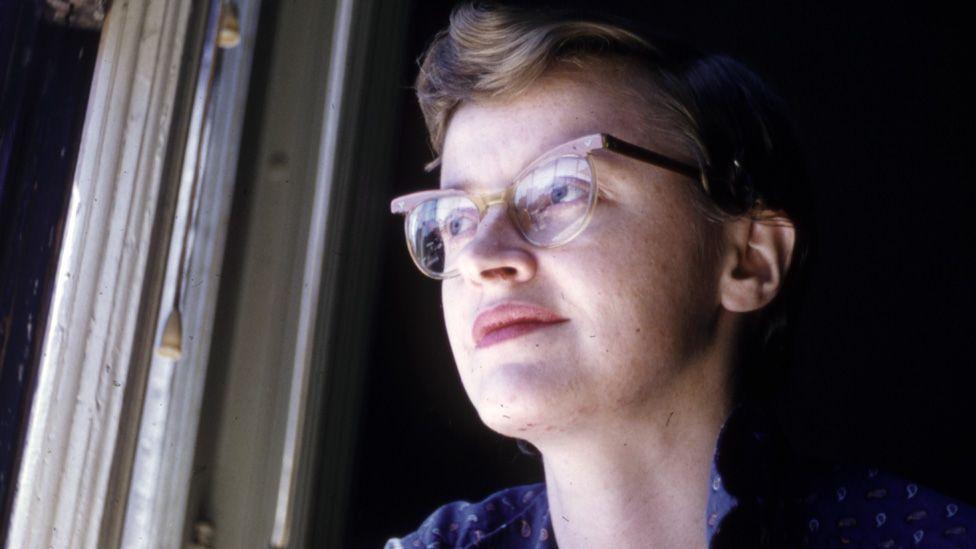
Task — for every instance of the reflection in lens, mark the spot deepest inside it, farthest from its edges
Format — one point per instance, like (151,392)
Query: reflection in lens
(552,201)
(432,249)
(438,229)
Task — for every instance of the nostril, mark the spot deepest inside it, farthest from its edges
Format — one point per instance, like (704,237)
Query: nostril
(499,273)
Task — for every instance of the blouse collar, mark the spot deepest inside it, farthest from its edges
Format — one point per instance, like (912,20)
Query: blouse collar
(720,501)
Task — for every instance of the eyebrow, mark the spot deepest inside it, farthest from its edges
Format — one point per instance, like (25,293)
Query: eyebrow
(466,186)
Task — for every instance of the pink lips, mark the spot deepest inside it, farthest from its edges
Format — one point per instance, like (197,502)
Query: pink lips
(510,320)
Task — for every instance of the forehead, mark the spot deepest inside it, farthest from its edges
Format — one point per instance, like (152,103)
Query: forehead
(488,142)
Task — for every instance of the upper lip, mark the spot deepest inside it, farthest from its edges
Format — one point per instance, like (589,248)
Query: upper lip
(506,314)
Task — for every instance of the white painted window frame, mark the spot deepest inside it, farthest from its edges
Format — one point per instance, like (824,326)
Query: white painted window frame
(101,322)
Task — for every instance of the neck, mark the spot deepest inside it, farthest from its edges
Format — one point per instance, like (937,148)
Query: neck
(642,481)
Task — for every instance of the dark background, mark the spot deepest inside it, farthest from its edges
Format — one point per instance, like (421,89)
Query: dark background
(884,371)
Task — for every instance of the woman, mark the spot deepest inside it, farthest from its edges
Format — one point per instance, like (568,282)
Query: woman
(621,232)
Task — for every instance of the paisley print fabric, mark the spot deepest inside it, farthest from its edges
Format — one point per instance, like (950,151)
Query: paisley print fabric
(760,496)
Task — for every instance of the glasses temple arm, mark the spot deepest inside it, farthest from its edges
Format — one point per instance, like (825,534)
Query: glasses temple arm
(640,153)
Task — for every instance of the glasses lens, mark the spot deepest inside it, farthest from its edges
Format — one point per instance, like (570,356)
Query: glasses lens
(438,229)
(553,201)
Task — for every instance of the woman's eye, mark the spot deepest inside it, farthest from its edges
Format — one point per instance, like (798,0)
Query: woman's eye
(564,192)
(559,192)
(459,224)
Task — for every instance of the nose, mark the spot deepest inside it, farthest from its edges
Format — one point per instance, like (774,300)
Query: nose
(497,254)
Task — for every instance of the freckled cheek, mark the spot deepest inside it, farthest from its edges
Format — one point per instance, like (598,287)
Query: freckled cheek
(635,302)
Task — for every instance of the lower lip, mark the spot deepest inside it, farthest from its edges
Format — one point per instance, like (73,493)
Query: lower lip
(512,331)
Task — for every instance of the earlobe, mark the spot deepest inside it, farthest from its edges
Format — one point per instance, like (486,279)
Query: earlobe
(758,256)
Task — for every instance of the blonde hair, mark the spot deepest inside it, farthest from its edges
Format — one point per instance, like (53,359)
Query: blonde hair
(489,52)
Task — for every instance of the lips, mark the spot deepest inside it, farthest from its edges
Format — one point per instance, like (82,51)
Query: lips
(510,320)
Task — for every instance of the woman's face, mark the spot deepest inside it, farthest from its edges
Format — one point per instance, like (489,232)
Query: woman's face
(637,285)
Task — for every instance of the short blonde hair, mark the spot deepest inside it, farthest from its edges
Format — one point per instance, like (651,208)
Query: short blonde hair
(489,52)
(739,131)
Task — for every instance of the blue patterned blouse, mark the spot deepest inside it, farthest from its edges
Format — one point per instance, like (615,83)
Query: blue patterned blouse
(761,496)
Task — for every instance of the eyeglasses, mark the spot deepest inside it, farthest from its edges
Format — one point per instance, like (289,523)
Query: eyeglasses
(551,201)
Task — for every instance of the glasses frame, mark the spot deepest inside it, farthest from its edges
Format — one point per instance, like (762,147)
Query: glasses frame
(582,147)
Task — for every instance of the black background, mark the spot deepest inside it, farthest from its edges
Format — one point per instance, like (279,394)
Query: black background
(884,370)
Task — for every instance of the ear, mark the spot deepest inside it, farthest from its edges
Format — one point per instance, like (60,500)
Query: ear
(757,256)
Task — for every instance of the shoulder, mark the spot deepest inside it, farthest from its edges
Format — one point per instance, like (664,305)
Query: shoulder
(782,499)
(858,506)
(520,509)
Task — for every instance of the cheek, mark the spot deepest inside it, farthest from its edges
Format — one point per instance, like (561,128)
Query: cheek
(453,315)
(647,296)
(454,321)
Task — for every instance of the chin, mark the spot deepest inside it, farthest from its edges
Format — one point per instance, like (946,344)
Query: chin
(520,407)
(512,422)
(522,391)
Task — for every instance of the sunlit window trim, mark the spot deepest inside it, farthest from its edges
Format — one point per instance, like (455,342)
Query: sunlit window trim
(63,490)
